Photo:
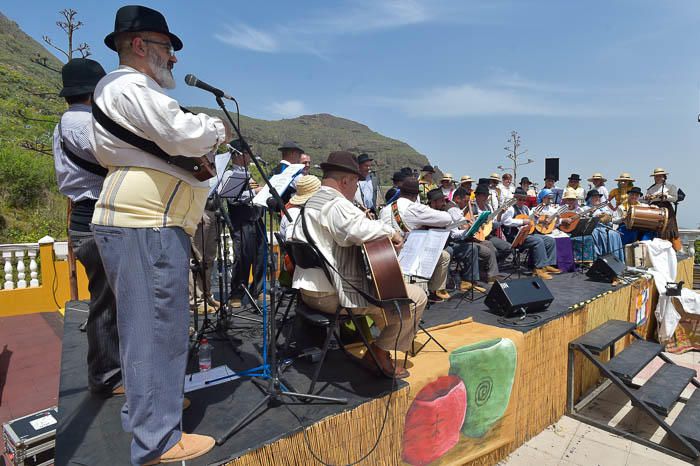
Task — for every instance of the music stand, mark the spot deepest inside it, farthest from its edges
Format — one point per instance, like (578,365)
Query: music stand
(234,186)
(585,227)
(473,230)
(519,240)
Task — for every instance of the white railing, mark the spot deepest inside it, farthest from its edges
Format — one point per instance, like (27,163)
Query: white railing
(688,237)
(15,266)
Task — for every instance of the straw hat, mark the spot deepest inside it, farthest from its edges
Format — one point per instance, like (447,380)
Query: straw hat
(446,176)
(307,186)
(659,171)
(597,176)
(466,179)
(569,194)
(495,177)
(625,177)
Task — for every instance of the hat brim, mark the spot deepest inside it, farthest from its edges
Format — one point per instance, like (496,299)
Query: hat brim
(625,179)
(601,179)
(174,40)
(76,90)
(326,166)
(664,173)
(300,199)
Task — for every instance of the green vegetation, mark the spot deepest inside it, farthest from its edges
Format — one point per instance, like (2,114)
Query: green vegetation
(30,204)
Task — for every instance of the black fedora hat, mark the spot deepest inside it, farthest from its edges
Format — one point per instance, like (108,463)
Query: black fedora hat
(428,168)
(482,188)
(635,190)
(362,158)
(550,177)
(341,161)
(435,194)
(525,179)
(290,145)
(137,18)
(520,192)
(574,177)
(592,192)
(80,76)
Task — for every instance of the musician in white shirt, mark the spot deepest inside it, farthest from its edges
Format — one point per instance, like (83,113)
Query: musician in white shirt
(598,181)
(406,215)
(542,248)
(338,228)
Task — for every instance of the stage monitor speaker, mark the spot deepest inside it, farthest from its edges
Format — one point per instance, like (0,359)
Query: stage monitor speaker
(551,167)
(606,268)
(518,296)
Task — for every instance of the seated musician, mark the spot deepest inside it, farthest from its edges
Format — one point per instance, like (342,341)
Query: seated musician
(543,249)
(663,194)
(338,228)
(481,204)
(620,216)
(529,188)
(405,215)
(583,248)
(575,185)
(461,247)
(605,239)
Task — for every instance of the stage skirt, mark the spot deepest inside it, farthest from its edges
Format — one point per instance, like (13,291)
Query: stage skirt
(584,250)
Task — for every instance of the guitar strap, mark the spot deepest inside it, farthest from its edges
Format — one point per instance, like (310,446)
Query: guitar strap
(397,216)
(86,165)
(370,299)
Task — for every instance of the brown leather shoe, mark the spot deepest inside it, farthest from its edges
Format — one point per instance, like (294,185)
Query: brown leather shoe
(386,365)
(552,269)
(186,403)
(190,446)
(442,294)
(234,302)
(542,274)
(118,391)
(213,303)
(434,298)
(465,285)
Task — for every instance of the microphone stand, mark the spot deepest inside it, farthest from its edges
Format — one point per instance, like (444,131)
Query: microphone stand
(275,393)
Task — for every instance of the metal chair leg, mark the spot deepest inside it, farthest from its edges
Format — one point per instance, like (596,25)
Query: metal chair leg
(329,334)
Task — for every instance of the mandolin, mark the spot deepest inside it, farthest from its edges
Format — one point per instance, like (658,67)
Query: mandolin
(487,228)
(576,218)
(529,217)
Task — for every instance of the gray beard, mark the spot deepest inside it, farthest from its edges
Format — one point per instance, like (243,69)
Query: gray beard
(159,67)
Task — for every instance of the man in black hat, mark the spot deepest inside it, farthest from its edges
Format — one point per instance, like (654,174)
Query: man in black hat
(393,193)
(291,155)
(147,212)
(482,203)
(367,187)
(406,214)
(80,178)
(338,229)
(575,185)
(426,182)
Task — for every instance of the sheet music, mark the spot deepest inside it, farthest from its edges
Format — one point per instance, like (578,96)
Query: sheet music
(421,252)
(281,182)
(220,162)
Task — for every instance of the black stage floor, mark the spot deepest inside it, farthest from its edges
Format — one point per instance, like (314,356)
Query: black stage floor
(89,429)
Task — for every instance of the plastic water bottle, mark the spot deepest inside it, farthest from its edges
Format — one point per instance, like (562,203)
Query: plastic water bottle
(204,355)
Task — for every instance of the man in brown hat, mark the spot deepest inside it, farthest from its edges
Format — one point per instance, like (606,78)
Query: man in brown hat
(406,214)
(337,228)
(598,181)
(147,209)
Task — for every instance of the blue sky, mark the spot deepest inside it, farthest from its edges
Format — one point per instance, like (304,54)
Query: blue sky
(607,86)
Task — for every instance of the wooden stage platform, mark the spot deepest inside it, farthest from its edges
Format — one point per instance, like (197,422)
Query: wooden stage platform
(495,387)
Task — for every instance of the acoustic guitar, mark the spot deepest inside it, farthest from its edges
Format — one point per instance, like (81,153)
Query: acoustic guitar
(547,223)
(576,218)
(487,228)
(385,271)
(529,217)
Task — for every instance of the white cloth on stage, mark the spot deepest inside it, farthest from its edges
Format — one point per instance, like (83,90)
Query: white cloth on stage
(664,262)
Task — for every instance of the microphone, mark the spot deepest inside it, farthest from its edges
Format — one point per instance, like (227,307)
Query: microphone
(261,160)
(191,80)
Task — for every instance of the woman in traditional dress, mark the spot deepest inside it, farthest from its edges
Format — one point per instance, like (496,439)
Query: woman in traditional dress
(663,194)
(618,196)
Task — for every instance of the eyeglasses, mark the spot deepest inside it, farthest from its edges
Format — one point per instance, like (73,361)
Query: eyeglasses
(171,50)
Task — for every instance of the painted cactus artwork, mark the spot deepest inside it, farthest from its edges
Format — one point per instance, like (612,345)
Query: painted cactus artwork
(487,369)
(434,420)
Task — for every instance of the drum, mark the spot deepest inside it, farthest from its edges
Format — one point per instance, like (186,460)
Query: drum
(647,218)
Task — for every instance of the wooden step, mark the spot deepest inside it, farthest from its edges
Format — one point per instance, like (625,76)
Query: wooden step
(603,336)
(664,388)
(633,359)
(687,423)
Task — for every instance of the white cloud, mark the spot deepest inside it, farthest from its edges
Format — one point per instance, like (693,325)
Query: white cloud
(313,33)
(288,108)
(247,37)
(472,100)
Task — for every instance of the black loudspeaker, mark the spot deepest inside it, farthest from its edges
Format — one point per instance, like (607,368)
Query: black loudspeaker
(551,167)
(519,296)
(606,268)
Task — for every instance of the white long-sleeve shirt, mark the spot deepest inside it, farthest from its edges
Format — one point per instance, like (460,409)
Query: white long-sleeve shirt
(136,102)
(669,190)
(338,222)
(414,215)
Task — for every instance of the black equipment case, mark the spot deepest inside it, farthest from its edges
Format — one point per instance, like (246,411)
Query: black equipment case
(31,440)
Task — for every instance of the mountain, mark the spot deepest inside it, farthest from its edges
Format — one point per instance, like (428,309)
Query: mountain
(30,205)
(322,134)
